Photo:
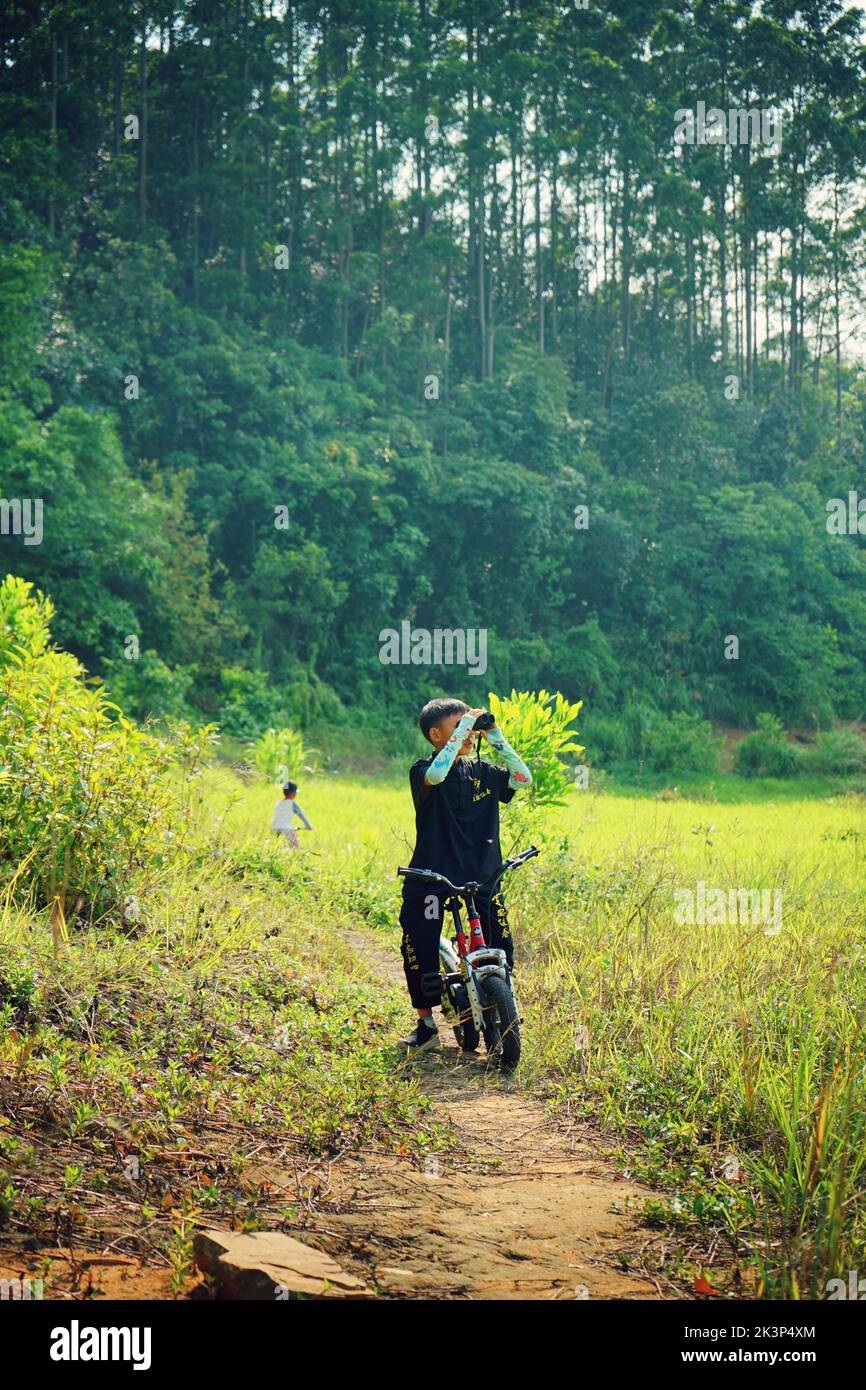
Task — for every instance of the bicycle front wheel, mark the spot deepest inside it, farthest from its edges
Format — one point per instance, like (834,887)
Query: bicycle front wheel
(501,1023)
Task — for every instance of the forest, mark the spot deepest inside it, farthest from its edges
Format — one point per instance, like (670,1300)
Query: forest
(320,318)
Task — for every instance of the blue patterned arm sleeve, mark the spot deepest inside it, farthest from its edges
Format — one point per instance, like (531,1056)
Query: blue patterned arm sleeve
(441,764)
(520,776)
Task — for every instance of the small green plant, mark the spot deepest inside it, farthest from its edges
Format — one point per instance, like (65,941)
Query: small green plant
(18,991)
(249,703)
(682,742)
(766,752)
(278,754)
(676,743)
(836,753)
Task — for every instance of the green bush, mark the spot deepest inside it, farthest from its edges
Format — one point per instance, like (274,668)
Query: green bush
(606,740)
(681,742)
(676,742)
(249,703)
(87,813)
(670,743)
(540,727)
(766,752)
(836,753)
(149,689)
(278,754)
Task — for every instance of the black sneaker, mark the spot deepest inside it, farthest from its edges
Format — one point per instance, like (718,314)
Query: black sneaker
(423,1038)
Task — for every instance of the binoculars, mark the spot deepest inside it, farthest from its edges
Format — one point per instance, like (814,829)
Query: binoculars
(485,721)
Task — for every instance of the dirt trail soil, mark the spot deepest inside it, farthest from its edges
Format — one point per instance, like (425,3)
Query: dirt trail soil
(522,1210)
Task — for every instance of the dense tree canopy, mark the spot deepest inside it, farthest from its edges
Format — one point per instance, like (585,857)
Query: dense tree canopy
(431,275)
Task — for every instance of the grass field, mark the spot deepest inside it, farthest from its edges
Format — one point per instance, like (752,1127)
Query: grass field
(726,1059)
(732,1053)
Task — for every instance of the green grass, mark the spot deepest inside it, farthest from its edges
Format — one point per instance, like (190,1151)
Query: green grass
(732,1054)
(726,787)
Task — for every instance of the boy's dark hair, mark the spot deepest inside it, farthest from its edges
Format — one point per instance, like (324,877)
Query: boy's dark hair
(434,710)
(290,788)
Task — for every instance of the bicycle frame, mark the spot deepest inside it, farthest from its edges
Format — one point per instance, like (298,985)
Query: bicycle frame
(473,959)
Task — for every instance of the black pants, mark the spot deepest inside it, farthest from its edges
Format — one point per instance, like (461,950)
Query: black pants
(423,920)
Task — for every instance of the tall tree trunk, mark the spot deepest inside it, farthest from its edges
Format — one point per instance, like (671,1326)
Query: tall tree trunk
(625,305)
(482,307)
(196,198)
(554,252)
(142,120)
(539,257)
(837,335)
(117,92)
(53,131)
(723,268)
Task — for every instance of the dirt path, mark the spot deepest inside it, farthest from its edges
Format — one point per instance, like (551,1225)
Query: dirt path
(522,1210)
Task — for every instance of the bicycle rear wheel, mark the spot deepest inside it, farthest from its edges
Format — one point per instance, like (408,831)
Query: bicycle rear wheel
(467,1037)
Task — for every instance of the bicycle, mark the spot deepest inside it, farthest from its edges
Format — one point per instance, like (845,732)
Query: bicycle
(477,996)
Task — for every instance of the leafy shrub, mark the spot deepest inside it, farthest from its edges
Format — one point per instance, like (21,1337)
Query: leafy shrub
(149,689)
(766,752)
(607,740)
(86,807)
(18,990)
(682,742)
(307,698)
(278,754)
(674,743)
(249,703)
(836,753)
(539,727)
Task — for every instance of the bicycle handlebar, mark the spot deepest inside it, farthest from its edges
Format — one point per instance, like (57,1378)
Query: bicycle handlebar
(471,888)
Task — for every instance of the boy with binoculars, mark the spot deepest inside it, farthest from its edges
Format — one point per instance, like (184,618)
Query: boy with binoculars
(456,835)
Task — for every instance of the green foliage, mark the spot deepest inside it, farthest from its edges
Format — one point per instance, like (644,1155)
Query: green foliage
(541,727)
(679,742)
(87,810)
(644,737)
(836,753)
(278,754)
(249,703)
(25,620)
(148,688)
(766,752)
(607,739)
(301,390)
(24,292)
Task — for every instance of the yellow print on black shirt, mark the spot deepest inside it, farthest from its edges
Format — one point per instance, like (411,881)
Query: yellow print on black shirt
(479,795)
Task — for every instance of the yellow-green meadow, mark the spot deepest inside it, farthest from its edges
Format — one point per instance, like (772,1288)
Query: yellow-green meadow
(725,1046)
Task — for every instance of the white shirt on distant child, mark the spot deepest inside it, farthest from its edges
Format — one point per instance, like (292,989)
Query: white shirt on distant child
(284,815)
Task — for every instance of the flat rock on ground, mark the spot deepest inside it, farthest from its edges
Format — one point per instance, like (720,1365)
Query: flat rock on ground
(270,1265)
